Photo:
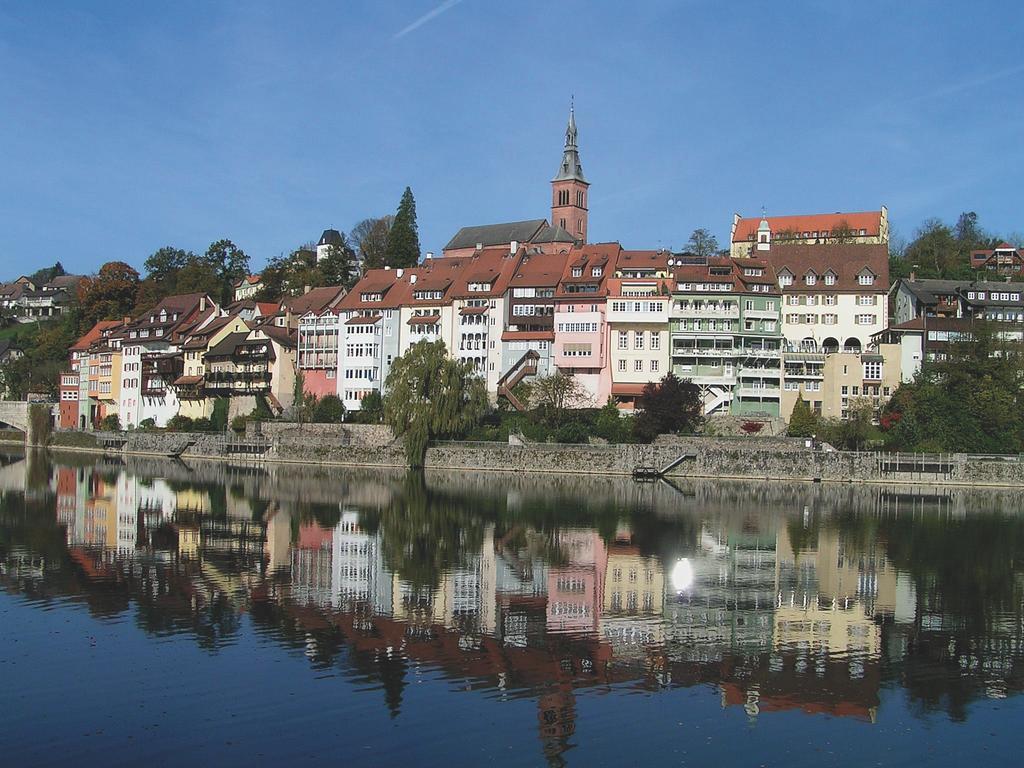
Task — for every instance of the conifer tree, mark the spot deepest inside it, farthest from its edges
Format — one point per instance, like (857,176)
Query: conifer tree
(403,249)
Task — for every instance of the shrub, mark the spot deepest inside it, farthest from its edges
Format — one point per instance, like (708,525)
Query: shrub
(219,418)
(752,427)
(329,410)
(148,424)
(238,423)
(202,425)
(179,423)
(111,423)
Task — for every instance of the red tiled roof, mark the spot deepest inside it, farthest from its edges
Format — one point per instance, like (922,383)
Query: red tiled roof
(473,310)
(871,221)
(846,260)
(424,320)
(628,389)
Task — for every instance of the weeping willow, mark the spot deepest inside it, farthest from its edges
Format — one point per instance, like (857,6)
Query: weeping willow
(430,395)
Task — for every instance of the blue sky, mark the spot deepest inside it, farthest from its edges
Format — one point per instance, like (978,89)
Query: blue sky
(129,126)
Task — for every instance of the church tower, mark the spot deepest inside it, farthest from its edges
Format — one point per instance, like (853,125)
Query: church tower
(569,187)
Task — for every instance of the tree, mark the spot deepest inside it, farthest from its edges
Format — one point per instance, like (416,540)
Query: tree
(842,232)
(46,274)
(936,252)
(163,265)
(802,422)
(671,405)
(371,408)
(702,243)
(339,267)
(370,239)
(403,249)
(329,410)
(430,395)
(557,392)
(230,264)
(109,295)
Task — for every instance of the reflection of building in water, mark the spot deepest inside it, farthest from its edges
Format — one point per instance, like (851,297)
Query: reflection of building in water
(463,600)
(333,567)
(728,605)
(576,589)
(634,598)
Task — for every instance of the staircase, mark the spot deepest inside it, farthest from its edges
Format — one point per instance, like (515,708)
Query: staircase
(525,366)
(715,399)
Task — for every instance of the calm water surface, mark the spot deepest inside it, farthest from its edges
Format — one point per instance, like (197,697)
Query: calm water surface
(168,614)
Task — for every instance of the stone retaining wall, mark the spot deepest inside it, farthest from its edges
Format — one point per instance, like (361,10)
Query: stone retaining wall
(714,457)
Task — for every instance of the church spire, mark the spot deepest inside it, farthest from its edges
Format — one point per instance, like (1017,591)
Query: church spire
(571,167)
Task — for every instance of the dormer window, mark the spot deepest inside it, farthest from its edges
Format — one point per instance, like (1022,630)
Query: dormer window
(810,278)
(577,271)
(596,272)
(479,286)
(785,279)
(866,278)
(753,272)
(371,297)
(830,278)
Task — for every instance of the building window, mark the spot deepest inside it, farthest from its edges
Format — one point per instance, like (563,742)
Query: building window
(873,371)
(622,365)
(577,271)
(638,365)
(654,366)
(638,340)
(866,301)
(655,340)
(623,339)
(866,279)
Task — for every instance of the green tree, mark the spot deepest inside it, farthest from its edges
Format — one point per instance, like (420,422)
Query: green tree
(403,249)
(802,422)
(339,267)
(429,395)
(557,392)
(370,238)
(671,405)
(230,264)
(371,409)
(109,295)
(329,410)
(162,266)
(702,243)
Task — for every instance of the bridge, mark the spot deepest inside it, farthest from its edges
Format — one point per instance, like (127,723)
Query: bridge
(15,413)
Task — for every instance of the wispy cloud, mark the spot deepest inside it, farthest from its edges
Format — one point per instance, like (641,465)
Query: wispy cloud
(953,88)
(447,5)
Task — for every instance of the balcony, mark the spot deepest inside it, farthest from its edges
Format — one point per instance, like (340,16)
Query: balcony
(730,312)
(759,392)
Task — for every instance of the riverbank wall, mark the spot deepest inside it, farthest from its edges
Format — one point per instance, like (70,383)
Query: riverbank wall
(742,458)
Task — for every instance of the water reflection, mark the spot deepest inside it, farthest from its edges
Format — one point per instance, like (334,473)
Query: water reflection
(803,598)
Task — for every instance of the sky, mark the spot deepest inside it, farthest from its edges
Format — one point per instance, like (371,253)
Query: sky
(127,126)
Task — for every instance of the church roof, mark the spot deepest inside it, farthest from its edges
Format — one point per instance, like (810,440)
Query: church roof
(330,237)
(496,234)
(553,234)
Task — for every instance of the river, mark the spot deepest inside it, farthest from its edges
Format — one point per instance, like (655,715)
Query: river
(163,613)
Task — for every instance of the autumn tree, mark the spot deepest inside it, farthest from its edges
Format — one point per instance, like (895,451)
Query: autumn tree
(108,295)
(430,395)
(671,405)
(403,248)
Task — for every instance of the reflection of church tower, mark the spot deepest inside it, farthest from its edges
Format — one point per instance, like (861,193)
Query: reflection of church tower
(557,722)
(569,188)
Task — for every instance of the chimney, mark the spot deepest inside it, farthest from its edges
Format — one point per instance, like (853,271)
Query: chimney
(913,276)
(127,320)
(387,268)
(399,272)
(430,255)
(412,278)
(306,289)
(513,247)
(202,304)
(479,246)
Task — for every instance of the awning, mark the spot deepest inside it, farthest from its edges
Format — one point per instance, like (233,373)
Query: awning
(188,381)
(634,390)
(364,320)
(424,320)
(528,336)
(473,310)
